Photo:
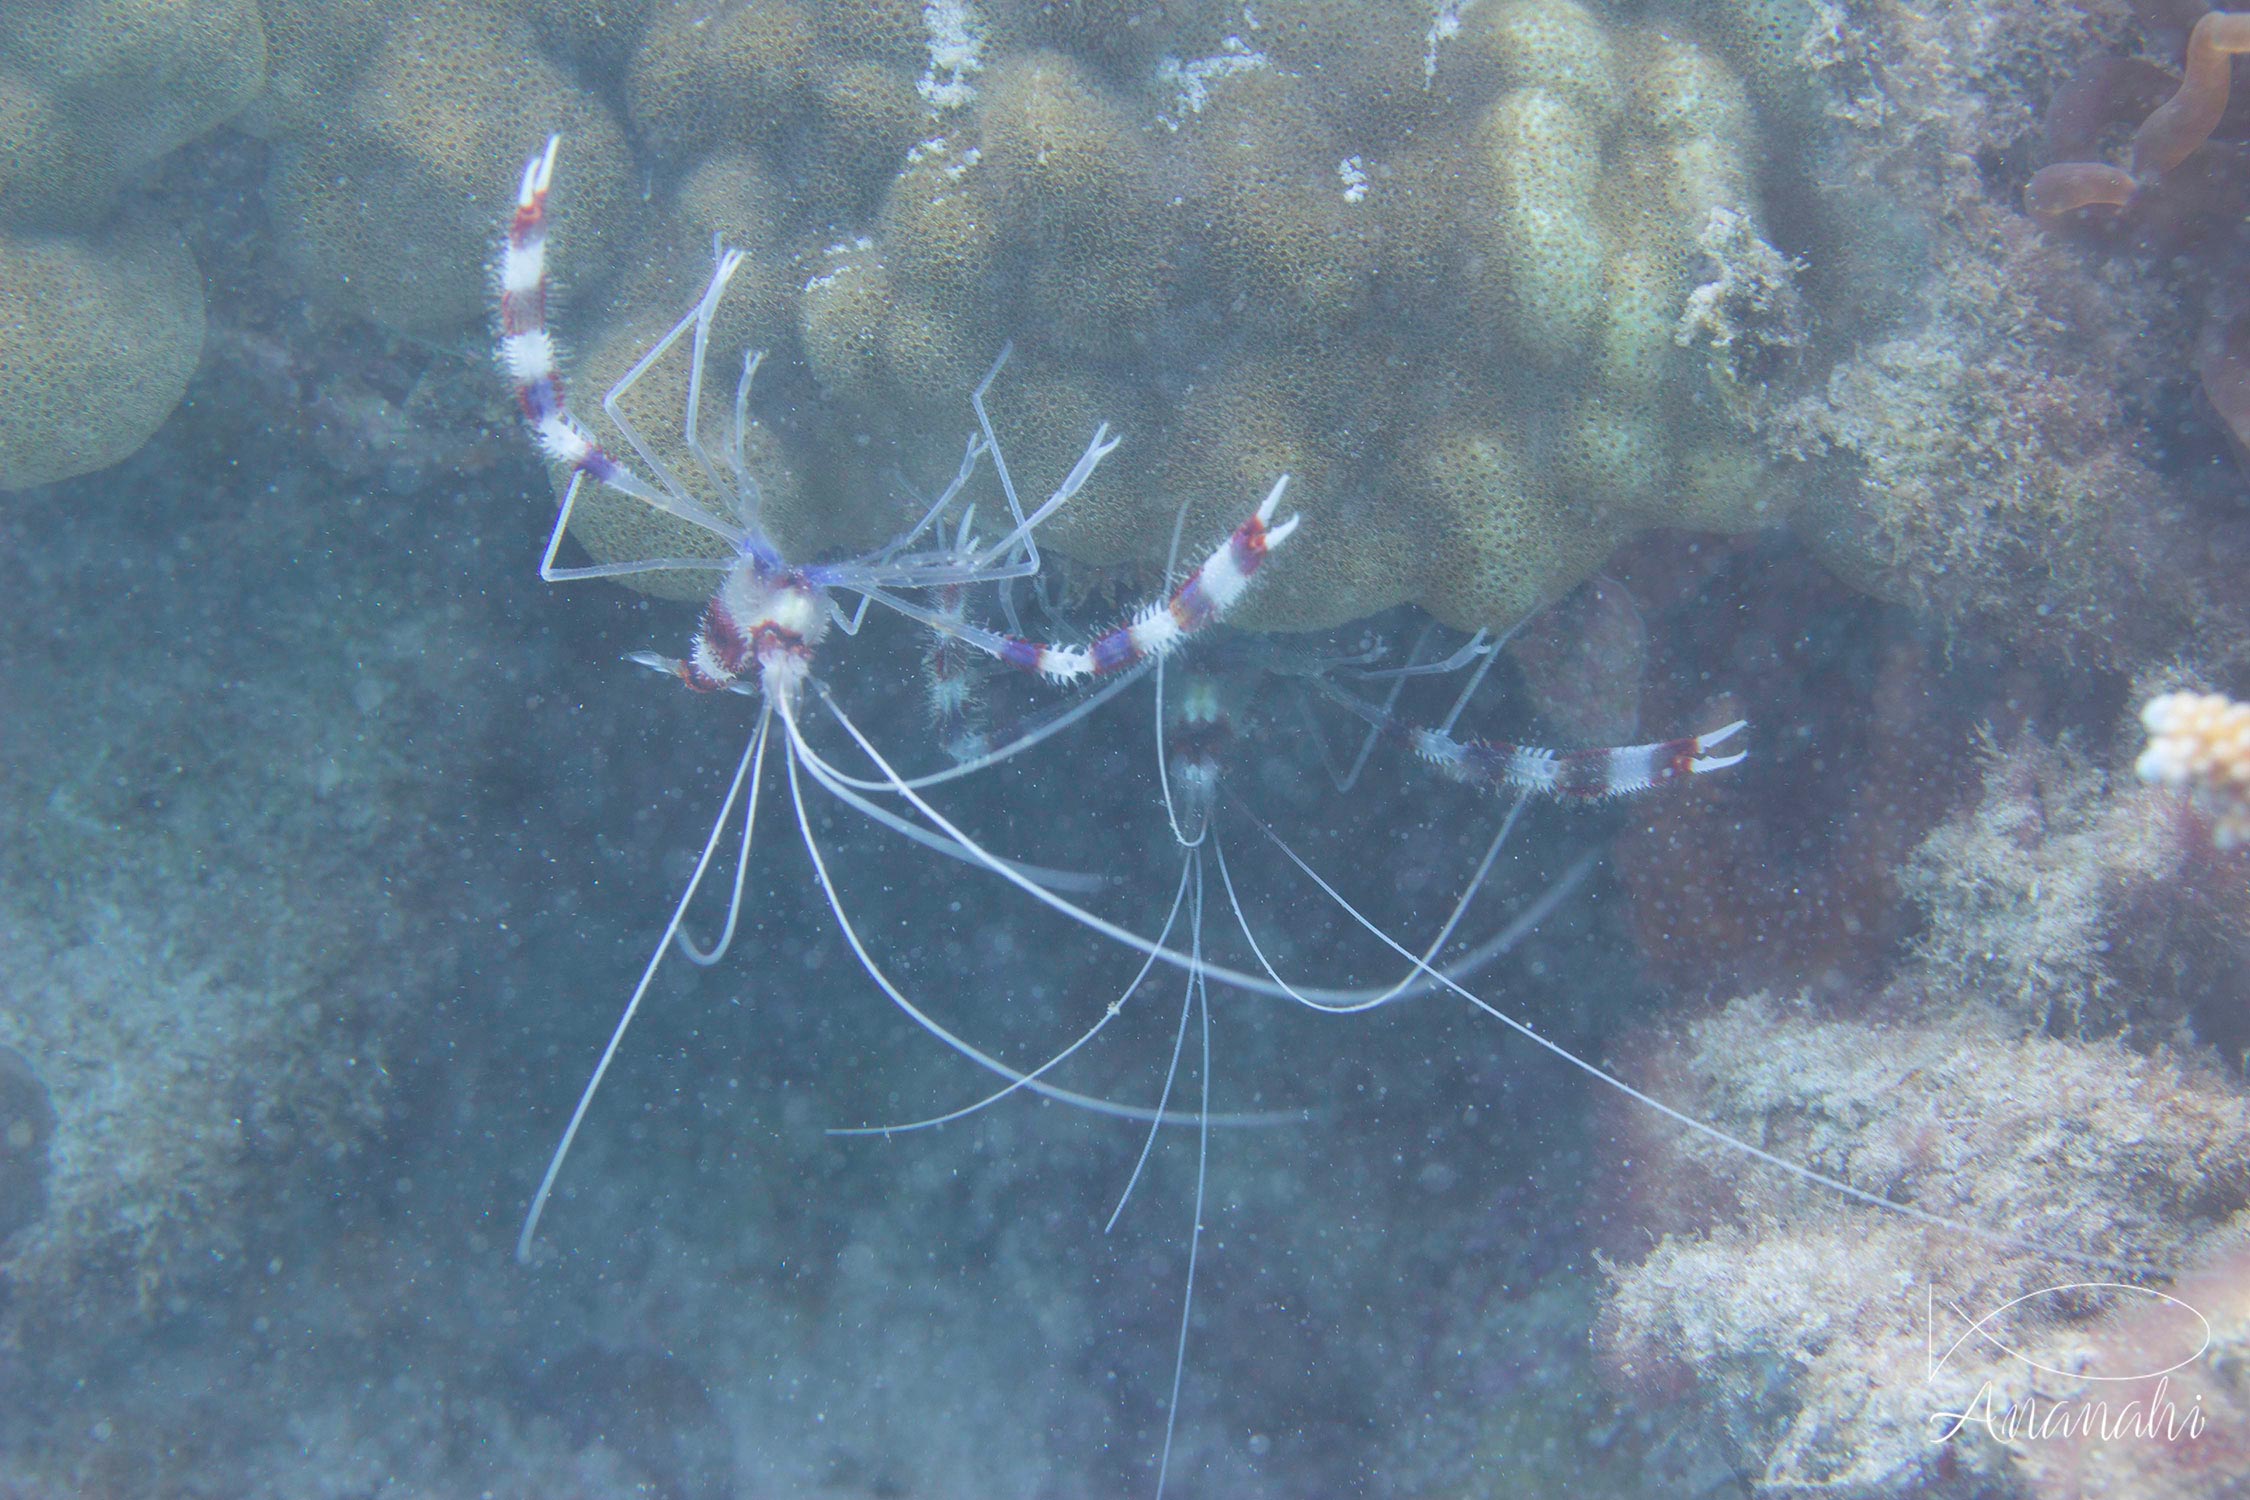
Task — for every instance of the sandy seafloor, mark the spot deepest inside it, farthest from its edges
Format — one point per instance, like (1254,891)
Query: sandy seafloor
(335,841)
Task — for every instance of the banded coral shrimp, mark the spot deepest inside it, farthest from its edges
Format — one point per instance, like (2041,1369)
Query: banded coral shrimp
(768,616)
(766,619)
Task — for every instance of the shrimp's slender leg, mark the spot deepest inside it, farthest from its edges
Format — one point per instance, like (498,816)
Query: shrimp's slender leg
(750,752)
(1097,449)
(677,500)
(999,458)
(549,573)
(1469,689)
(749,499)
(1348,778)
(935,509)
(726,262)
(884,569)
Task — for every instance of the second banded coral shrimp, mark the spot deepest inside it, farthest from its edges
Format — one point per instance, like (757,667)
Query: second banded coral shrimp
(768,617)
(1212,716)
(1217,717)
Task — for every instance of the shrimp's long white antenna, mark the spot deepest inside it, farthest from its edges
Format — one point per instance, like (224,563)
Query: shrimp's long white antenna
(1319,999)
(1194,1002)
(1413,981)
(1202,1000)
(1109,1013)
(1052,879)
(705,958)
(1190,865)
(1708,1131)
(802,754)
(640,992)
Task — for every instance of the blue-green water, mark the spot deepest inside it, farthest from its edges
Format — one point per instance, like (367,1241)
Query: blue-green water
(1704,347)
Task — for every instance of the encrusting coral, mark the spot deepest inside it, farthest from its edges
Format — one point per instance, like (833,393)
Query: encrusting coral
(1799,1326)
(2004,458)
(2181,194)
(2056,1064)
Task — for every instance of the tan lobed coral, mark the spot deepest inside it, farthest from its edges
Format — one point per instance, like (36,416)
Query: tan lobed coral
(1499,283)
(99,333)
(398,141)
(101,315)
(1439,279)
(94,91)
(1437,267)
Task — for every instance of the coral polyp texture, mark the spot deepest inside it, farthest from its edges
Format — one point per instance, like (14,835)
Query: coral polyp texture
(101,313)
(1502,284)
(1435,266)
(2199,743)
(99,333)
